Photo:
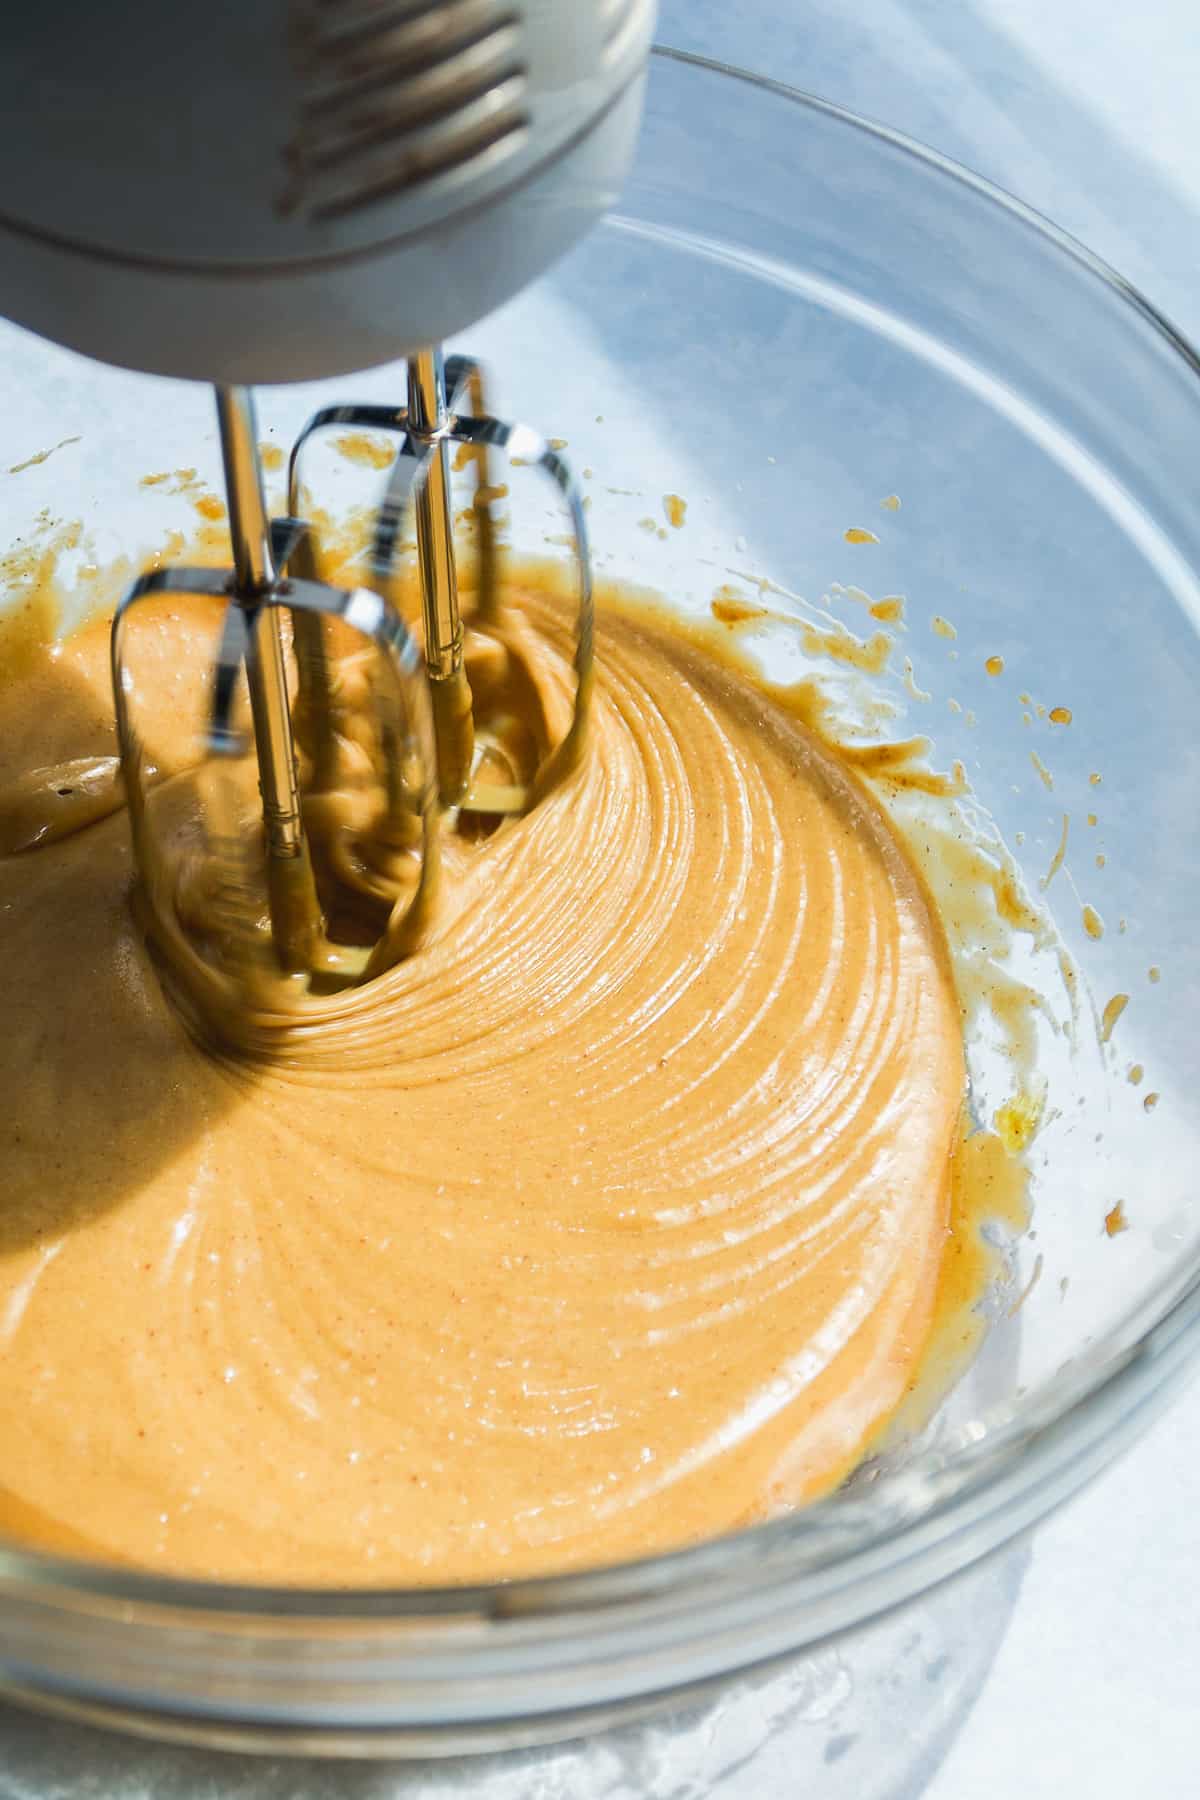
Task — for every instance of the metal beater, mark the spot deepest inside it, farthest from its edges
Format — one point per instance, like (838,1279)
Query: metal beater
(429,727)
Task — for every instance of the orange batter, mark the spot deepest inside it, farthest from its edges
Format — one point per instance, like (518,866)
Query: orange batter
(610,1220)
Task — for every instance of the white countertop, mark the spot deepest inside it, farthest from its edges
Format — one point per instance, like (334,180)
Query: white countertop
(1067,1666)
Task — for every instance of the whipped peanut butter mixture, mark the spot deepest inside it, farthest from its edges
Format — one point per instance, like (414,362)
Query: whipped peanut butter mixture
(611,1218)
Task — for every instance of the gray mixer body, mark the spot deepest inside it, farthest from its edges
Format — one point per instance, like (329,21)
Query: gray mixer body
(276,190)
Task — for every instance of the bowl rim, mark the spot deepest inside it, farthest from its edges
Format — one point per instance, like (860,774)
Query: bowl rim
(1032,1458)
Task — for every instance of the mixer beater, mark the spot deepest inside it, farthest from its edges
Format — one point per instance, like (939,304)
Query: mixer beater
(318,664)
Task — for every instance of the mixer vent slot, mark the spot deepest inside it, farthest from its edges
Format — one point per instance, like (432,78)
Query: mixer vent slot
(400,95)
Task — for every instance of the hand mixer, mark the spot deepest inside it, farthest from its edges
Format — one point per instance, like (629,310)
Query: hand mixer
(284,189)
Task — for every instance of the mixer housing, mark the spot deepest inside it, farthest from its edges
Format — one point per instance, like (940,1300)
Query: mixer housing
(288,189)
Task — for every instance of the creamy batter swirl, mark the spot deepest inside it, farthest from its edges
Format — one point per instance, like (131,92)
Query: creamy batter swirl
(610,1220)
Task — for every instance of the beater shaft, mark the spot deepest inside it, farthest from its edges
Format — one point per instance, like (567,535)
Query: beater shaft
(453,722)
(292,896)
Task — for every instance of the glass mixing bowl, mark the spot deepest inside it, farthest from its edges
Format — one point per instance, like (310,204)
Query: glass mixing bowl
(792,315)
